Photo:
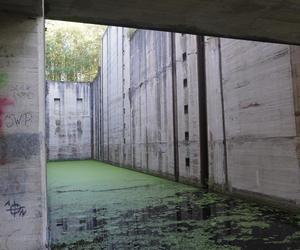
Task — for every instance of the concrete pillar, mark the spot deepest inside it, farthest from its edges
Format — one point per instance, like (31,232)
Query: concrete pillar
(22,152)
(217,151)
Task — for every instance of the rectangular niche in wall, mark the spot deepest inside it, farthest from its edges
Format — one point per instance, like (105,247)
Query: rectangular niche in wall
(57,106)
(79,106)
(186,109)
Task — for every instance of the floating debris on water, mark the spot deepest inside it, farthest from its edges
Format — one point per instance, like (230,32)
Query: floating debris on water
(93,205)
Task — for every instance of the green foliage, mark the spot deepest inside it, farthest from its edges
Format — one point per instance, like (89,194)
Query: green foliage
(72,51)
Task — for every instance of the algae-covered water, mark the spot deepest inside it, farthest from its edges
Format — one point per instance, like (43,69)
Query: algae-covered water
(93,205)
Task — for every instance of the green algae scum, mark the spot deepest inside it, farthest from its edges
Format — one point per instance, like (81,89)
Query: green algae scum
(93,205)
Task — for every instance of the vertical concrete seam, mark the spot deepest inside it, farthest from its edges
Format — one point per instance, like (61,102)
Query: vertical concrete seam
(202,101)
(223,114)
(42,127)
(175,108)
(92,112)
(294,88)
(293,72)
(107,103)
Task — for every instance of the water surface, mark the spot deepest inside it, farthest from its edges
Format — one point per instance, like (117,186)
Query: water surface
(93,205)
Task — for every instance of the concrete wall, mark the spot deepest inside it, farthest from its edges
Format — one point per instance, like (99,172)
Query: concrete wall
(96,116)
(69,120)
(111,86)
(187,81)
(252,108)
(151,102)
(22,126)
(215,119)
(254,83)
(137,102)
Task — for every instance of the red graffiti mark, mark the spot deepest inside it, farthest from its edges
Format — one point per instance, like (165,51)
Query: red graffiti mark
(4,102)
(3,161)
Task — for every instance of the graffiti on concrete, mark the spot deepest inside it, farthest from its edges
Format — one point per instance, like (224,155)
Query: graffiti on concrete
(21,92)
(18,120)
(4,102)
(15,209)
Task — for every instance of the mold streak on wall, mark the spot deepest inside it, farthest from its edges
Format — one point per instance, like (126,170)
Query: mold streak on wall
(69,108)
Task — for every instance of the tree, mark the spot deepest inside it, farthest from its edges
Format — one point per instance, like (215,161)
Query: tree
(73,51)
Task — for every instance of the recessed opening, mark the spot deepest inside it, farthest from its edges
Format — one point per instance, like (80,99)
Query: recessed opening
(186,136)
(187,162)
(79,106)
(186,109)
(57,107)
(184,56)
(185,83)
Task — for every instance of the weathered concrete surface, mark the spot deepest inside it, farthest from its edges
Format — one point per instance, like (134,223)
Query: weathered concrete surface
(215,132)
(259,118)
(33,8)
(69,120)
(96,115)
(112,95)
(265,20)
(151,102)
(188,98)
(137,102)
(22,126)
(251,88)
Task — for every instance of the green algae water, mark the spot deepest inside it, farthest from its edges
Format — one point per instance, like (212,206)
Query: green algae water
(93,205)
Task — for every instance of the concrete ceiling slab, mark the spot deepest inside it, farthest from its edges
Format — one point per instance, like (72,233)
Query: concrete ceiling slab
(31,8)
(263,20)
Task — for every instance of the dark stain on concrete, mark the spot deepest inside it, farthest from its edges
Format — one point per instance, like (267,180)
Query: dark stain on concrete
(19,145)
(250,105)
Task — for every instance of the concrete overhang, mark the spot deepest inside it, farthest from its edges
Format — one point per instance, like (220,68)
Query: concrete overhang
(263,20)
(30,8)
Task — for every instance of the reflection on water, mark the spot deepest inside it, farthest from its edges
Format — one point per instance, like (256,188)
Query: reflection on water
(192,219)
